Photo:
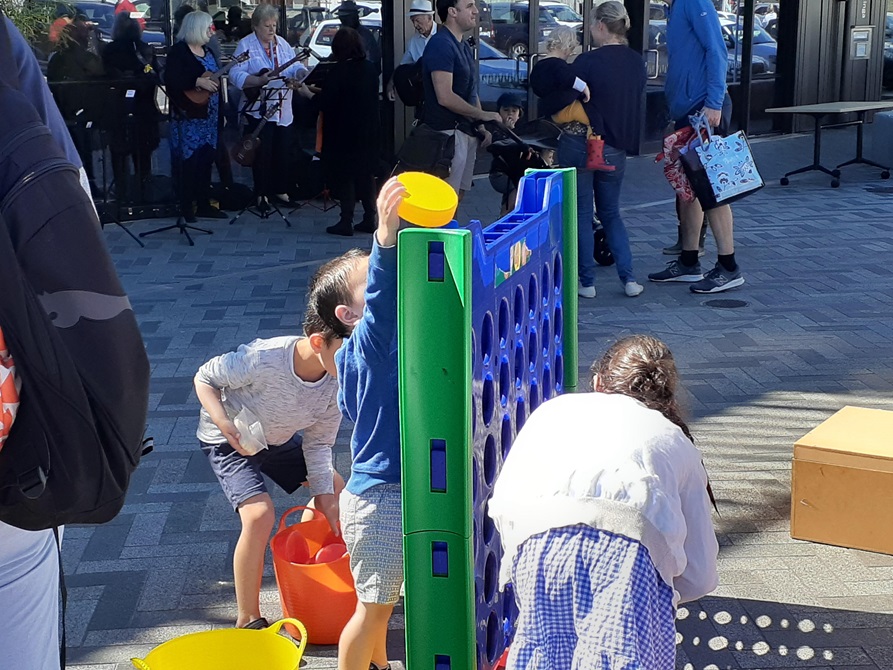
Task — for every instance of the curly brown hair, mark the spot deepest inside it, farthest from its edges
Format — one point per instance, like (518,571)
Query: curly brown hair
(642,367)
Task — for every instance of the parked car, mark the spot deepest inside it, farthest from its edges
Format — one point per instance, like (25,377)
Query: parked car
(764,46)
(764,13)
(102,17)
(298,21)
(509,25)
(498,74)
(656,55)
(563,14)
(319,40)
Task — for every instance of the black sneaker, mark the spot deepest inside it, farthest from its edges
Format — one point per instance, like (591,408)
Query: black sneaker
(676,271)
(365,227)
(341,228)
(718,280)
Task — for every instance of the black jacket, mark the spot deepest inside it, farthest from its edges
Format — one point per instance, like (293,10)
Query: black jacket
(351,128)
(181,70)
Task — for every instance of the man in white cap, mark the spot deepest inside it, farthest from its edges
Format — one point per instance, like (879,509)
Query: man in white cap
(421,14)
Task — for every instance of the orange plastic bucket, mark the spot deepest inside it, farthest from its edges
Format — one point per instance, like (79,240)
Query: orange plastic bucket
(321,596)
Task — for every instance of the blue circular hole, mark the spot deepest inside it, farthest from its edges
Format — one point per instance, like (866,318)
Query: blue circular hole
(546,328)
(534,395)
(494,637)
(487,338)
(475,480)
(547,382)
(520,364)
(488,399)
(532,295)
(558,324)
(506,436)
(504,382)
(556,273)
(490,460)
(559,372)
(491,578)
(532,349)
(503,322)
(519,308)
(520,413)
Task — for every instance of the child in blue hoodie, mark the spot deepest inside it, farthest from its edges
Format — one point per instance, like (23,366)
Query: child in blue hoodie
(371,515)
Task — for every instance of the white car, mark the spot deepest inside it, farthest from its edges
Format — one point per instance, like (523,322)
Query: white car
(563,14)
(319,41)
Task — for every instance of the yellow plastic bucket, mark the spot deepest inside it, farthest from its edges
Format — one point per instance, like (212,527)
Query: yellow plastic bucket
(228,649)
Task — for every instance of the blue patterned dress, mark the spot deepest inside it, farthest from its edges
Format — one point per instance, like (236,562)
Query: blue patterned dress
(189,135)
(590,600)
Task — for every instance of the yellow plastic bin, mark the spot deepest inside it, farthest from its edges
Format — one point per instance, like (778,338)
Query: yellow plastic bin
(229,649)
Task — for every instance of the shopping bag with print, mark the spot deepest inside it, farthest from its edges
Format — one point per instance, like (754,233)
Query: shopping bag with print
(721,169)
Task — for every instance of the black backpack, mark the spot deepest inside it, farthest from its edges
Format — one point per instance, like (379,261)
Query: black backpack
(407,80)
(70,330)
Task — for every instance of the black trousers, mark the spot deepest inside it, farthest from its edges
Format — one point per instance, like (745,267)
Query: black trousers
(195,179)
(350,189)
(271,165)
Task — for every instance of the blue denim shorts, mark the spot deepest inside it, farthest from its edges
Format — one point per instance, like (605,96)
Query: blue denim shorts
(241,477)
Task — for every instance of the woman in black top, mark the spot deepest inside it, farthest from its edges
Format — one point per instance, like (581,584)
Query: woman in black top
(348,103)
(193,126)
(133,128)
(615,75)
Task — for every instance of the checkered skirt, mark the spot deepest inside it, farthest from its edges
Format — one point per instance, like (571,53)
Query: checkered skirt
(590,600)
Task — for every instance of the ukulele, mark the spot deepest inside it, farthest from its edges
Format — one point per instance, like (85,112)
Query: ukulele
(200,96)
(251,93)
(245,150)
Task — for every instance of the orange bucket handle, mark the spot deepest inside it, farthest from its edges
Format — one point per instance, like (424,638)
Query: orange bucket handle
(316,513)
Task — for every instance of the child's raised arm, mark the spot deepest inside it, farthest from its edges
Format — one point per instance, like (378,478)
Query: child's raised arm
(392,194)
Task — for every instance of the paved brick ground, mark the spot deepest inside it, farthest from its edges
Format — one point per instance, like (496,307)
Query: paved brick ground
(816,333)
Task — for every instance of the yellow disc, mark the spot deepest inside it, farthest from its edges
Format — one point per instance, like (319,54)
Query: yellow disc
(430,202)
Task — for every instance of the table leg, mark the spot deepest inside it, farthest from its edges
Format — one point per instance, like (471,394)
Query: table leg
(885,170)
(816,158)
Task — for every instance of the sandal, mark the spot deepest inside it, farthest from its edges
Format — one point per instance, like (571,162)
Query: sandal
(257,624)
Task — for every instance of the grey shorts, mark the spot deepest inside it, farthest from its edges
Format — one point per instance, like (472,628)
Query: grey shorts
(372,527)
(241,477)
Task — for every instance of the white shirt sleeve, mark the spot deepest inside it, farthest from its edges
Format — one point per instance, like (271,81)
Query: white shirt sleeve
(231,370)
(701,548)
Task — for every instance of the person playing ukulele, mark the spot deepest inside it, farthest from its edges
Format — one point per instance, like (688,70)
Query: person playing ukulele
(268,78)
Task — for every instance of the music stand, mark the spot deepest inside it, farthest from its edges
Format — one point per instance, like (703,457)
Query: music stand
(252,205)
(176,168)
(90,118)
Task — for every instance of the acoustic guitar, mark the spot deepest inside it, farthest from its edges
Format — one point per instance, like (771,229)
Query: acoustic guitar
(245,150)
(200,96)
(251,93)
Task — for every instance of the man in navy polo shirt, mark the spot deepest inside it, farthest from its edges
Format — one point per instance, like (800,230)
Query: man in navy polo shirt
(452,104)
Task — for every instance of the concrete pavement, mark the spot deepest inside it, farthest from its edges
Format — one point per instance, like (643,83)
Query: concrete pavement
(814,332)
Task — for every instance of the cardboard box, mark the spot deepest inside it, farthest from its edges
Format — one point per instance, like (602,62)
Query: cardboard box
(842,481)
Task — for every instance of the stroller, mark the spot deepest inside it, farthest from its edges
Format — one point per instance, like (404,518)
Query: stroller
(528,147)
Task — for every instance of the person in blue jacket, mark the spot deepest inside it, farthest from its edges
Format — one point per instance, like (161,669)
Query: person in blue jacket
(371,515)
(696,81)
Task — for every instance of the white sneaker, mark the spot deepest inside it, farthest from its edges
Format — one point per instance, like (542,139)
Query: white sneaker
(585,291)
(632,289)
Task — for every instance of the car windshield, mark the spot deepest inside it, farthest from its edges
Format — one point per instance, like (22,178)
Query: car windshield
(562,13)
